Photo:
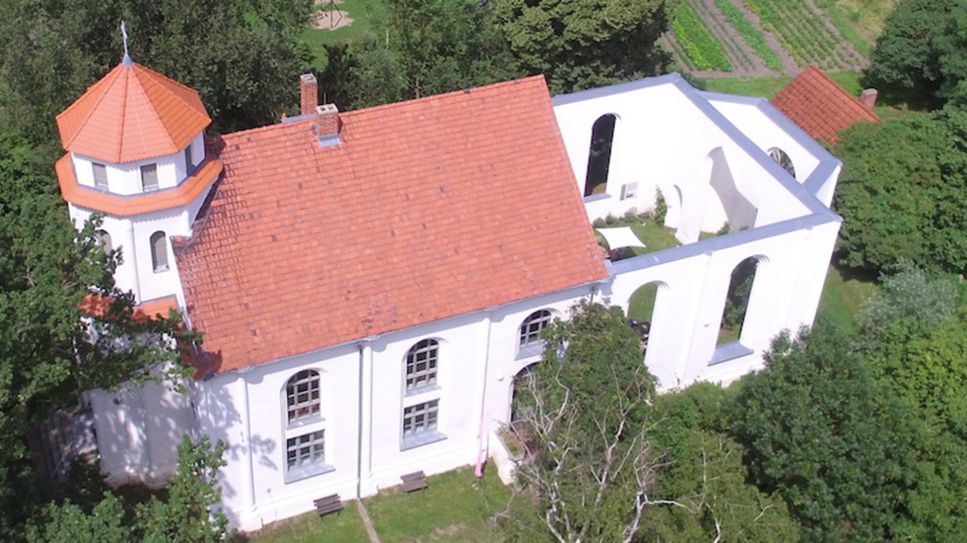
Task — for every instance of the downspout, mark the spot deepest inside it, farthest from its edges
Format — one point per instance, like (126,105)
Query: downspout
(134,260)
(359,427)
(250,487)
(483,400)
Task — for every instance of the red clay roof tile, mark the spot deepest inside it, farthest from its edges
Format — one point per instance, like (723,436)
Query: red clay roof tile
(427,209)
(132,113)
(819,106)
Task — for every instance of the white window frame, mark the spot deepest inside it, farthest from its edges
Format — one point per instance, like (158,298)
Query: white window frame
(98,167)
(416,380)
(306,433)
(629,191)
(526,335)
(145,186)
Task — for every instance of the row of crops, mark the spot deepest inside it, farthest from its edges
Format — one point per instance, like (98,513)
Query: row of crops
(804,34)
(727,35)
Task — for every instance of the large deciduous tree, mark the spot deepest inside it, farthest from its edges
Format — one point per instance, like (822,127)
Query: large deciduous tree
(241,55)
(48,354)
(579,44)
(903,192)
(820,431)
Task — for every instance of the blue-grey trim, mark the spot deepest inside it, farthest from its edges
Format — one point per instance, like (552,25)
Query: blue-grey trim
(418,440)
(304,472)
(597,197)
(330,140)
(729,351)
(721,242)
(734,98)
(600,92)
(820,175)
(297,118)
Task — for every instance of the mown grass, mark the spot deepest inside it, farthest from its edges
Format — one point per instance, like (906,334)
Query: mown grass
(346,527)
(844,294)
(456,507)
(364,14)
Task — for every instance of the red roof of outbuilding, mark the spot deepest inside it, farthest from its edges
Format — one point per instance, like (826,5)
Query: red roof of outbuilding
(427,209)
(132,113)
(819,106)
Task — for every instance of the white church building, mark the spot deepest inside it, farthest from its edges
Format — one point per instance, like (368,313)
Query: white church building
(369,283)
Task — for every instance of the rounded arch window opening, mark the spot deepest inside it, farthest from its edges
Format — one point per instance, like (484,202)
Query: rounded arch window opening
(737,299)
(533,325)
(599,154)
(302,397)
(641,310)
(783,160)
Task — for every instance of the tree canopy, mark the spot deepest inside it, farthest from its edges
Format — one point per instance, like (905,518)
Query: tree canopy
(903,192)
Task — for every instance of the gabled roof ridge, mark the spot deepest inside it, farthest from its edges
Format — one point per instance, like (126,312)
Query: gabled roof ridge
(382,107)
(106,83)
(839,88)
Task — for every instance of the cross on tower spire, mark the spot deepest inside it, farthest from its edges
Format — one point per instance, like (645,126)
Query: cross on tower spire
(124,36)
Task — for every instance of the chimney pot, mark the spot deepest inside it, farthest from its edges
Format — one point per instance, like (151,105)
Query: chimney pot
(309,94)
(868,98)
(327,124)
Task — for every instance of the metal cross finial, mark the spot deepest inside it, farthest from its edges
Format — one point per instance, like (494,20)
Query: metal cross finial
(124,36)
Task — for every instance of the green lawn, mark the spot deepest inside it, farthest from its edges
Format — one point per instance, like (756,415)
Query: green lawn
(456,507)
(843,296)
(363,14)
(346,527)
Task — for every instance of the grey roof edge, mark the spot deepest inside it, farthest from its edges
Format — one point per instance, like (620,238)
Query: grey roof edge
(818,178)
(599,92)
(721,242)
(795,188)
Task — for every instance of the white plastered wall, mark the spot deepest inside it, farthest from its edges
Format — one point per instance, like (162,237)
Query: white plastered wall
(125,179)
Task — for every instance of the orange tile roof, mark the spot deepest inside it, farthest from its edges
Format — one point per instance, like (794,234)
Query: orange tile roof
(819,106)
(427,209)
(97,305)
(132,113)
(125,206)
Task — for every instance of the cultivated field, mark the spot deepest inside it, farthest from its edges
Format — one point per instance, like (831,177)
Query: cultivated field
(715,38)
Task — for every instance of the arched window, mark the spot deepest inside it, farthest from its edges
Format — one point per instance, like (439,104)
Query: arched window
(302,396)
(421,364)
(530,329)
(599,156)
(783,159)
(737,300)
(104,240)
(159,251)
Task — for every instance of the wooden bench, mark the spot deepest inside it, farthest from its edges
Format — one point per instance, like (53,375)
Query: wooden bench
(328,504)
(414,481)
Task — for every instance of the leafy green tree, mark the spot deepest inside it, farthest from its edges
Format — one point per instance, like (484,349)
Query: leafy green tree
(185,514)
(241,55)
(48,355)
(579,44)
(823,434)
(422,47)
(903,192)
(704,472)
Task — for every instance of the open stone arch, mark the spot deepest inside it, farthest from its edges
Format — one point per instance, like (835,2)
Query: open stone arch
(600,148)
(743,299)
(645,310)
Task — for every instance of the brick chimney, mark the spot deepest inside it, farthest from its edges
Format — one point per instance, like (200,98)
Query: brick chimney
(868,98)
(309,91)
(327,125)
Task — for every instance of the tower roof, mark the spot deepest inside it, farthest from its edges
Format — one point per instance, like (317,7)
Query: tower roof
(132,113)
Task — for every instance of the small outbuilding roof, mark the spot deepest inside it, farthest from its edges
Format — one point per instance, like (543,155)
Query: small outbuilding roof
(820,106)
(133,113)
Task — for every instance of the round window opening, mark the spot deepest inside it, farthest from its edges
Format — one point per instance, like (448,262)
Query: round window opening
(783,159)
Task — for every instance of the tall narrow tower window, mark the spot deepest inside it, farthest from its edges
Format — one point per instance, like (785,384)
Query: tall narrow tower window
(149,177)
(189,163)
(159,252)
(100,176)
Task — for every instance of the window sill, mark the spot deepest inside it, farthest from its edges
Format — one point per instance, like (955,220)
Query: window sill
(421,390)
(304,472)
(161,270)
(305,421)
(596,197)
(418,440)
(530,350)
(729,351)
